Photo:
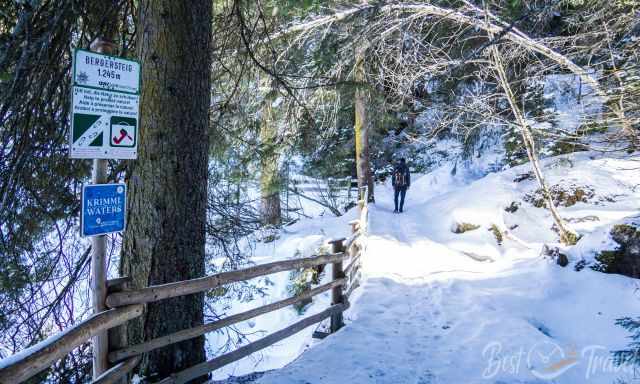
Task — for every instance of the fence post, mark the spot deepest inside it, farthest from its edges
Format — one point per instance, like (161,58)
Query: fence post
(98,280)
(117,336)
(336,292)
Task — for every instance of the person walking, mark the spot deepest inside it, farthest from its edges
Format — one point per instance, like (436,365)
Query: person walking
(401,181)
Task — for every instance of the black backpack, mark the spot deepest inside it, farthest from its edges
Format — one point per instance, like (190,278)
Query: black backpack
(399,179)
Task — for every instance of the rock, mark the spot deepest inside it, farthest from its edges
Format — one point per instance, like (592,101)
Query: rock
(523,176)
(562,260)
(512,207)
(555,254)
(562,195)
(625,259)
(463,227)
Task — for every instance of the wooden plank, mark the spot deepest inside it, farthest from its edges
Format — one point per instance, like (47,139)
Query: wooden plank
(118,335)
(354,260)
(25,364)
(364,218)
(352,239)
(336,293)
(220,361)
(202,329)
(355,275)
(181,288)
(352,288)
(117,372)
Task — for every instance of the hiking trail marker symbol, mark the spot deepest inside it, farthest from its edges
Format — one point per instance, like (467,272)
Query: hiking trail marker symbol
(105,107)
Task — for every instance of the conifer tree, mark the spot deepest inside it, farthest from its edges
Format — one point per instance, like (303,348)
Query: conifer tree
(165,237)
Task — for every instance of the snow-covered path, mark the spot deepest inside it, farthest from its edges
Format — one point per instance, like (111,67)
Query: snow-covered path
(431,312)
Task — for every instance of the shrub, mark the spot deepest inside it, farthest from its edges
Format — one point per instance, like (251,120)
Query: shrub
(497,233)
(300,281)
(624,259)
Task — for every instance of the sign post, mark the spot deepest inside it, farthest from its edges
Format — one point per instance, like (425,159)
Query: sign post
(104,125)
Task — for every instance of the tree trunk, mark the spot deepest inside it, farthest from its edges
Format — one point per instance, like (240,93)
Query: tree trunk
(270,181)
(567,236)
(617,104)
(165,236)
(362,125)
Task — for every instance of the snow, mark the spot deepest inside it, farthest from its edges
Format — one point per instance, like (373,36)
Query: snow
(573,103)
(302,239)
(440,307)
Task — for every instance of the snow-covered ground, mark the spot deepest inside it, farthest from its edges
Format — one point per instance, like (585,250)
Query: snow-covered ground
(302,239)
(441,307)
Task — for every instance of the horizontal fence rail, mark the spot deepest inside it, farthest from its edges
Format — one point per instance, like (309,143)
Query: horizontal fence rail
(129,304)
(220,361)
(181,288)
(31,361)
(115,374)
(233,319)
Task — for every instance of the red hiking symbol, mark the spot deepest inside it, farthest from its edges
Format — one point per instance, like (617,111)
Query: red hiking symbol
(123,134)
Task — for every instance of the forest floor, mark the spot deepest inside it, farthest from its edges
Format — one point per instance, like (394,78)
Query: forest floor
(445,307)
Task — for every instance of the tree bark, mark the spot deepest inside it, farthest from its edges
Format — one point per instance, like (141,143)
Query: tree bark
(270,181)
(165,238)
(361,127)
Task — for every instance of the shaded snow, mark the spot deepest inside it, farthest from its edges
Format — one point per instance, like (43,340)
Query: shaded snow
(572,102)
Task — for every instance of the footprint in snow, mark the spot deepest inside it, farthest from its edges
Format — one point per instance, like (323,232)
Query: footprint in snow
(425,378)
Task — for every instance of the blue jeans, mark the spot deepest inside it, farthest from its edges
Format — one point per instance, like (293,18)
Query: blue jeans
(402,191)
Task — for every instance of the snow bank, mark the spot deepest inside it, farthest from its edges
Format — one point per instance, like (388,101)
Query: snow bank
(444,307)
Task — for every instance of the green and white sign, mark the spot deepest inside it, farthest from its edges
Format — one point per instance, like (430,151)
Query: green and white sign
(105,107)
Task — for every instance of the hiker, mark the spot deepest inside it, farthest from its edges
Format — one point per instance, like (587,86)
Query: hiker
(401,180)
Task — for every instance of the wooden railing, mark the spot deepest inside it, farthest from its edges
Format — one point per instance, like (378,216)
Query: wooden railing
(129,304)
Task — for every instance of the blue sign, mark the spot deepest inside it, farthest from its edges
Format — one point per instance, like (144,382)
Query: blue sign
(103,208)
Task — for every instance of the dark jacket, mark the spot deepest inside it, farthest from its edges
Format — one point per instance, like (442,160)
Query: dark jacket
(407,175)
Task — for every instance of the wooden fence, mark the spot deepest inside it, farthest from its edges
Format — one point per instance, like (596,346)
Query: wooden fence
(129,304)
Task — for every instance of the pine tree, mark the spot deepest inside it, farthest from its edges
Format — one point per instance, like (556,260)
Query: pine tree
(270,183)
(362,126)
(630,356)
(165,237)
